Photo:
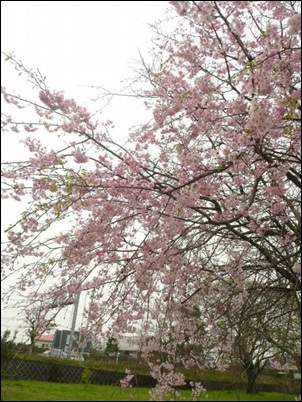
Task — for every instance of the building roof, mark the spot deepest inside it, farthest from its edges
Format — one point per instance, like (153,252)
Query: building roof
(45,338)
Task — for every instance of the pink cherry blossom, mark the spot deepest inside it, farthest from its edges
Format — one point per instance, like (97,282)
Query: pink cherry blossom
(196,217)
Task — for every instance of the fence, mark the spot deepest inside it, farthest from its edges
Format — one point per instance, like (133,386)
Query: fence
(49,371)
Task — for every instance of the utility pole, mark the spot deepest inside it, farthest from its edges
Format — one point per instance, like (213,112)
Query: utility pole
(74,319)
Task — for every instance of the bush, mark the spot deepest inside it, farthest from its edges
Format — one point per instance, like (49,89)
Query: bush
(86,376)
(8,346)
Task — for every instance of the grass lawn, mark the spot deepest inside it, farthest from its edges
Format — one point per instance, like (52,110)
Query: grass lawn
(28,390)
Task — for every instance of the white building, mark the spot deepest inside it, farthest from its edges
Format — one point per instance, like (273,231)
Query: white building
(44,341)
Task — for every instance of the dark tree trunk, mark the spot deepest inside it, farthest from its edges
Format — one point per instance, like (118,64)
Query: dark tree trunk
(32,344)
(252,372)
(251,384)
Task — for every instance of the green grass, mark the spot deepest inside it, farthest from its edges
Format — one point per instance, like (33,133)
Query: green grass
(29,390)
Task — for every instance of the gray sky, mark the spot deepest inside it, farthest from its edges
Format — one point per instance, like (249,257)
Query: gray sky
(75,44)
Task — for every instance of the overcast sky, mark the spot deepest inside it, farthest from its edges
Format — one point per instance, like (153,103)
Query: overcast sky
(81,42)
(75,45)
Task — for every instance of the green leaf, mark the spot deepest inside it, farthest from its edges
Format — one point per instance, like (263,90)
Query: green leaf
(220,167)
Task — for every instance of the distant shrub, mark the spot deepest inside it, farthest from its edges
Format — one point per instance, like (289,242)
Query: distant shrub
(8,346)
(86,376)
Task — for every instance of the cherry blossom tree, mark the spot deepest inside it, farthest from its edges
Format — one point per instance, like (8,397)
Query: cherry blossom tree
(255,325)
(206,193)
(38,321)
